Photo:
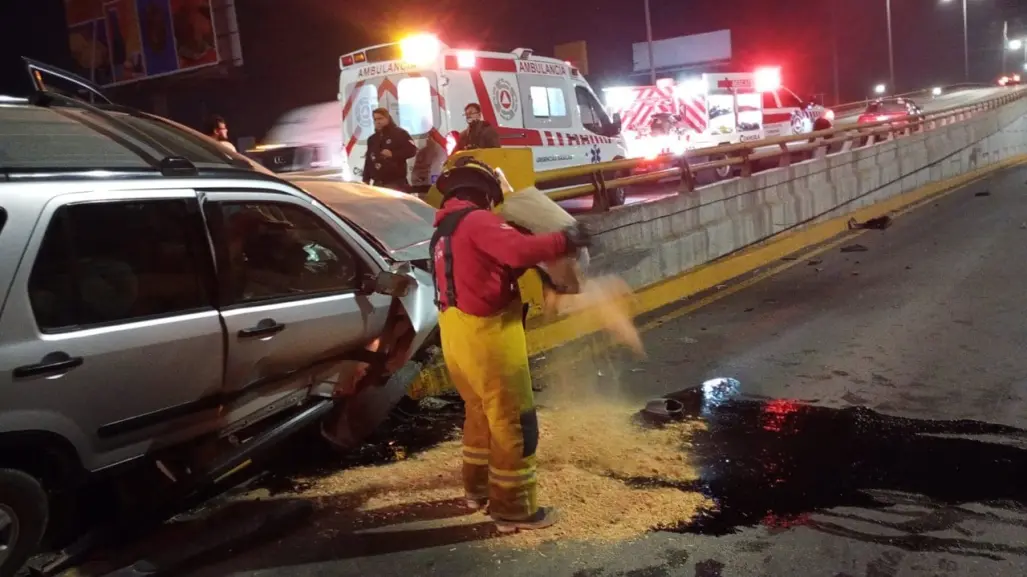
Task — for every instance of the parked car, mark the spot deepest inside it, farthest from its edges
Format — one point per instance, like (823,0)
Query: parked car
(166,304)
(1010,80)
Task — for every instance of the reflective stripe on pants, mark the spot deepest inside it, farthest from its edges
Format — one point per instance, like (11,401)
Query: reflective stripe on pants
(487,359)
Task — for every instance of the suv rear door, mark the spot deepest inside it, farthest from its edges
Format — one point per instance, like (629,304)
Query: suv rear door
(289,281)
(109,335)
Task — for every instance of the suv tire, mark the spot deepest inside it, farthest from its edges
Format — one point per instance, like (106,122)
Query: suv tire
(24,511)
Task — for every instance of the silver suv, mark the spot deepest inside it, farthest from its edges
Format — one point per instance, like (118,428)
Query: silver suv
(162,296)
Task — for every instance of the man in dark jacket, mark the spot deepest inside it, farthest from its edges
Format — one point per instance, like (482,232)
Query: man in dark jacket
(388,150)
(479,133)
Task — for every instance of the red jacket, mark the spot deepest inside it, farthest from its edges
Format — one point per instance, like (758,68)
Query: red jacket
(488,254)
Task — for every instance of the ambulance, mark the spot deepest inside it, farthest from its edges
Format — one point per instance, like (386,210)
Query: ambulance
(534,102)
(711,110)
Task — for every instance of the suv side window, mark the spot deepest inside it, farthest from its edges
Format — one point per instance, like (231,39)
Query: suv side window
(115,262)
(593,117)
(277,250)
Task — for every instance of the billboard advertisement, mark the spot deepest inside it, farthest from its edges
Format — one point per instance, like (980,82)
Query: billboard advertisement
(683,51)
(119,41)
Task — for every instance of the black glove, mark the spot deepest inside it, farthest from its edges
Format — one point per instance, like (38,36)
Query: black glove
(577,236)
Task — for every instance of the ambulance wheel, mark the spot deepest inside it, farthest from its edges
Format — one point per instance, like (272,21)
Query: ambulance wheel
(822,124)
(722,172)
(616,196)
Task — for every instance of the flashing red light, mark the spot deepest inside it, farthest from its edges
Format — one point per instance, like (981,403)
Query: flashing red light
(466,59)
(768,79)
(346,60)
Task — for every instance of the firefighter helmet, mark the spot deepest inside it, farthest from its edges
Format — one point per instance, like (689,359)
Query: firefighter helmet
(472,179)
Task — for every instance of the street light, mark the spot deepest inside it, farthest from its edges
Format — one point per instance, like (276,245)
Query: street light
(1015,44)
(891,51)
(966,45)
(879,89)
(936,91)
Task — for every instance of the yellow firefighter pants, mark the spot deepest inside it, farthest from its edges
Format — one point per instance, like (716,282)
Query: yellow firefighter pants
(487,359)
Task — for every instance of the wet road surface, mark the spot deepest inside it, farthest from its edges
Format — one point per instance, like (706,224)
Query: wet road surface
(865,411)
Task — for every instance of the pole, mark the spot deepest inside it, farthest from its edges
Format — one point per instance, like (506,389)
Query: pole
(891,51)
(834,45)
(966,48)
(649,40)
(1005,45)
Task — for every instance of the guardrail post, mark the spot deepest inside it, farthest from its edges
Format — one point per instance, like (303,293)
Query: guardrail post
(687,178)
(600,199)
(786,156)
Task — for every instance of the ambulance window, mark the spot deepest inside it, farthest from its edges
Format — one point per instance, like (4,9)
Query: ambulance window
(416,108)
(548,102)
(789,99)
(593,117)
(769,101)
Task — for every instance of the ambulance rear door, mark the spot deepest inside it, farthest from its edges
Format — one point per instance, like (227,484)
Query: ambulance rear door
(734,109)
(410,94)
(550,127)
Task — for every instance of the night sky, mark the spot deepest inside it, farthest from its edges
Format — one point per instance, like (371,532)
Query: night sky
(291,47)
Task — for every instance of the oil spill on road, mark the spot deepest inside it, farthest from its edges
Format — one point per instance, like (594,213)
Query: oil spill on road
(775,462)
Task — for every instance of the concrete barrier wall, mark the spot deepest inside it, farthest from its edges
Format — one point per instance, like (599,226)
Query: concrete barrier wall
(650,242)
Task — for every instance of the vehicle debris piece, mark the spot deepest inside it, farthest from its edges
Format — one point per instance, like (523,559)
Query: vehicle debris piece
(876,223)
(854,248)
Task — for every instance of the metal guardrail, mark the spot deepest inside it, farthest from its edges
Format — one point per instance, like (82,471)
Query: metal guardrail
(745,155)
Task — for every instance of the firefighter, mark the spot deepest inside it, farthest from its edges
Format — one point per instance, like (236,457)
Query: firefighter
(477,258)
(479,133)
(388,150)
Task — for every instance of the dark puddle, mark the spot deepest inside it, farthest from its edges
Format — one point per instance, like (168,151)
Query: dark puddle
(774,462)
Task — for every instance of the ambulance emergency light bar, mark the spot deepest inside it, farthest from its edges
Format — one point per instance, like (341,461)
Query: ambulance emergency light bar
(419,49)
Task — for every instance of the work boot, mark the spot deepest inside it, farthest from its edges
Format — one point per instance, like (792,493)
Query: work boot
(543,518)
(476,503)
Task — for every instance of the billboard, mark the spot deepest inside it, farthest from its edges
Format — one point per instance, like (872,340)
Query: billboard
(118,41)
(683,51)
(574,52)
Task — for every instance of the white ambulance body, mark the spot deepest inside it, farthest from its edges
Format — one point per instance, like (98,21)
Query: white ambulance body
(712,110)
(703,107)
(532,101)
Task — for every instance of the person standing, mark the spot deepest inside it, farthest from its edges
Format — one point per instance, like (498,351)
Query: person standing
(476,260)
(388,150)
(218,130)
(479,133)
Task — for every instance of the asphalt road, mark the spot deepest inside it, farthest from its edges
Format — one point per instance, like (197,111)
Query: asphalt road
(877,427)
(648,193)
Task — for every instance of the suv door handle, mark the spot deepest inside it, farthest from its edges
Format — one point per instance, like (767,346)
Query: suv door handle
(265,328)
(51,364)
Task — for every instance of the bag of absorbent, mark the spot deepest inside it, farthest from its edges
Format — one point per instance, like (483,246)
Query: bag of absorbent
(530,209)
(603,303)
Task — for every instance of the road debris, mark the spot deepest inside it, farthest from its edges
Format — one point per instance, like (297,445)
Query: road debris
(814,261)
(983,193)
(854,248)
(588,452)
(876,223)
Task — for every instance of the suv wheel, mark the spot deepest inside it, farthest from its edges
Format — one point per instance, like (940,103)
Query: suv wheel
(23,516)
